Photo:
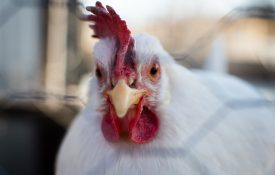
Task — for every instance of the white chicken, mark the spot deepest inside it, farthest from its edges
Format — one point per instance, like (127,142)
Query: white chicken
(147,114)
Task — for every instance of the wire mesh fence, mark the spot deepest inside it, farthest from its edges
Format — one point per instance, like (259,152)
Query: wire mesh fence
(8,99)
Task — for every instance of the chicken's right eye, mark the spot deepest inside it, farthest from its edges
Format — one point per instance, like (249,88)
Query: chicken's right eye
(98,73)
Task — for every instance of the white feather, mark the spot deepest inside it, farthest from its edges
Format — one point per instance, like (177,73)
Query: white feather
(198,133)
(104,51)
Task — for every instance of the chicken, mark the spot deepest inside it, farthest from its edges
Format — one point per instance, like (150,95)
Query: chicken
(147,114)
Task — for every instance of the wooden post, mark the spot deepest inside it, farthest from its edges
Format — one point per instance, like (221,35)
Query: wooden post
(55,75)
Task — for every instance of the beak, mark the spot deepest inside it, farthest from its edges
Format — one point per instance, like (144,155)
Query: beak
(123,97)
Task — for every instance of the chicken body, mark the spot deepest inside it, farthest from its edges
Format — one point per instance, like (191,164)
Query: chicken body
(209,124)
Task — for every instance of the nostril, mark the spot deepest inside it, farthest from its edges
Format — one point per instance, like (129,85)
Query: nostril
(133,84)
(112,83)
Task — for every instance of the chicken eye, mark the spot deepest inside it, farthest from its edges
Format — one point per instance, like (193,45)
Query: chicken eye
(153,70)
(98,73)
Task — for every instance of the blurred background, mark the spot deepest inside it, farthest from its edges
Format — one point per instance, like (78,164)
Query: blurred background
(46,61)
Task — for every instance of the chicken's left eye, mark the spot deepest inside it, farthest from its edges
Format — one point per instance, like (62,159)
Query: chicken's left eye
(153,70)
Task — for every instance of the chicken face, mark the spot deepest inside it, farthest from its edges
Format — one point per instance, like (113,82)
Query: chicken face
(128,75)
(130,92)
(128,82)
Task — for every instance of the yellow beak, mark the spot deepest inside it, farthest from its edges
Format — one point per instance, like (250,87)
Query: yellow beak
(123,97)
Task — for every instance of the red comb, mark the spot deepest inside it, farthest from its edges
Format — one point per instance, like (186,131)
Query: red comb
(108,24)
